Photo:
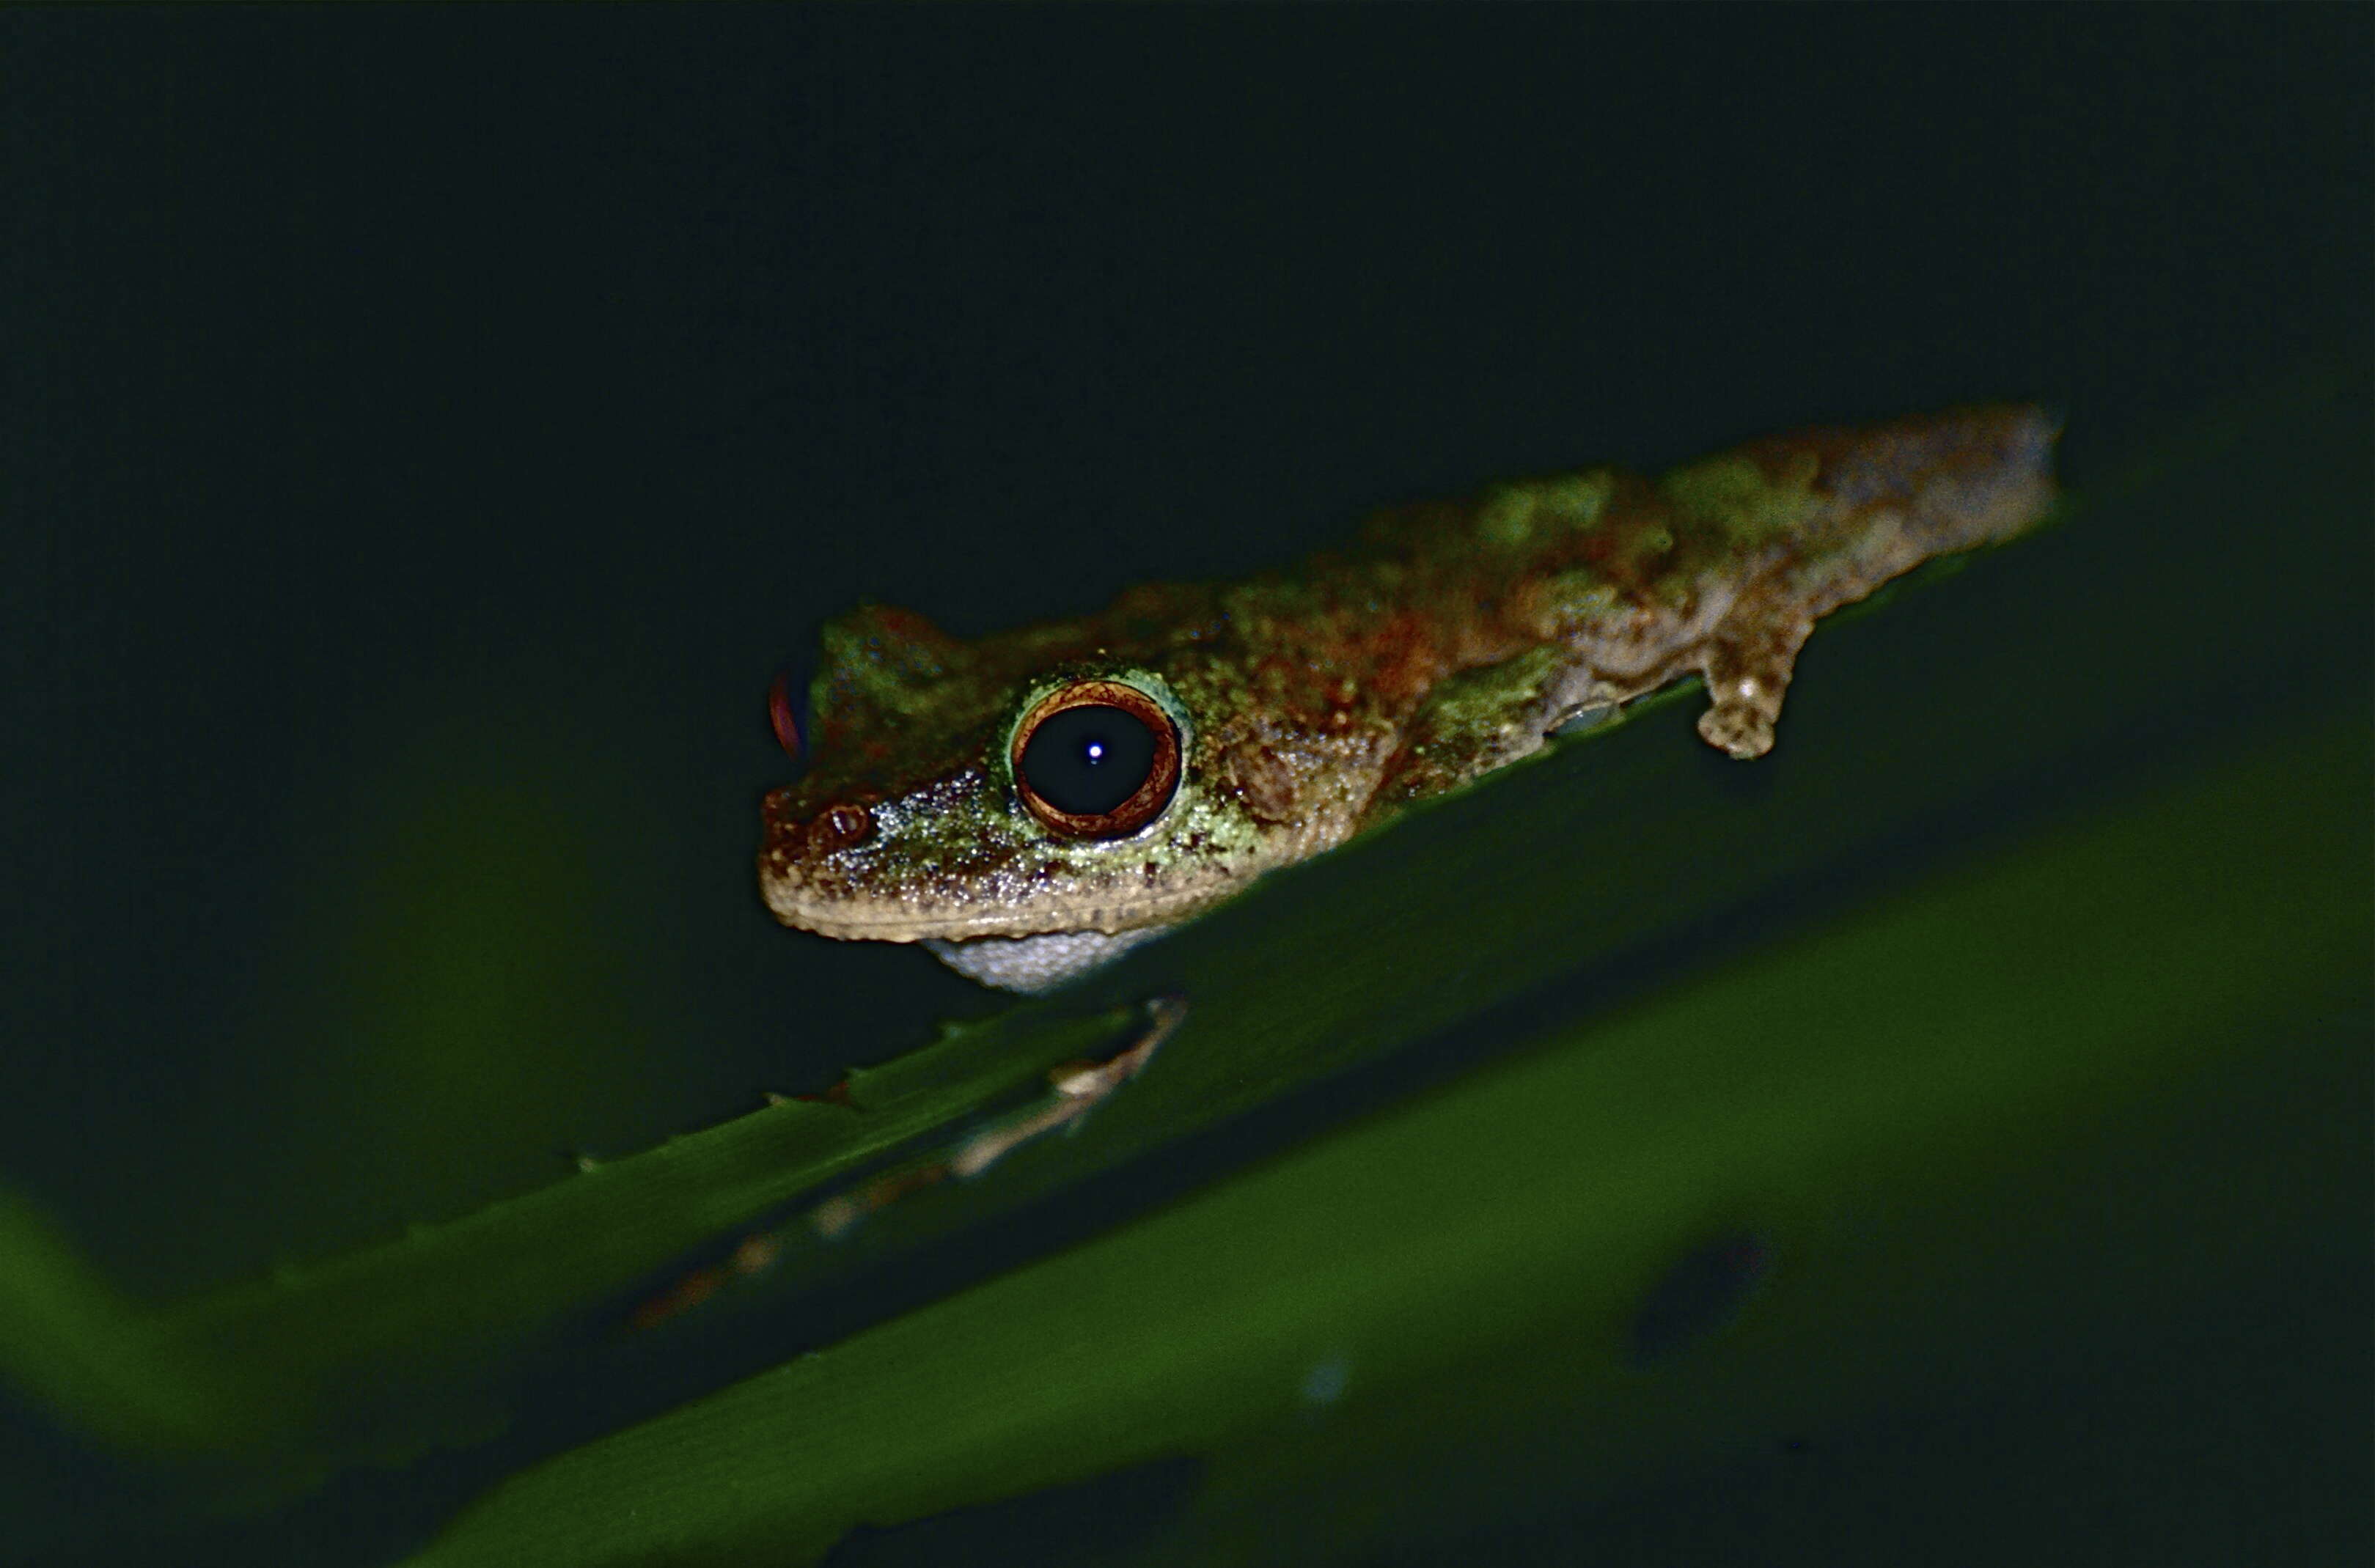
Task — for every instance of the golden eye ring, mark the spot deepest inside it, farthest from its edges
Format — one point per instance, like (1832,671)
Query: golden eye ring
(1097,759)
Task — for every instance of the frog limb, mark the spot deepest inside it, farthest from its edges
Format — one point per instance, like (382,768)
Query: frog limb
(1078,1088)
(1074,1089)
(1747,661)
(1479,720)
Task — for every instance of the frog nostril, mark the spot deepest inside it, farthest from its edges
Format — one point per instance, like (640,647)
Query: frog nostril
(838,826)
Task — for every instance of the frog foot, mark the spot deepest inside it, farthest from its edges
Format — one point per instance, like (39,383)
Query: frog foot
(1074,1089)
(1748,661)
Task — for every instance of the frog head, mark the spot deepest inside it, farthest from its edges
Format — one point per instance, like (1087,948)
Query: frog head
(1055,780)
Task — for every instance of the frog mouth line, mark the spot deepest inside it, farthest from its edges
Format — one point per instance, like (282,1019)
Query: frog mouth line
(896,921)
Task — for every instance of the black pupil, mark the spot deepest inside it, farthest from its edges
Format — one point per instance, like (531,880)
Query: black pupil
(1087,760)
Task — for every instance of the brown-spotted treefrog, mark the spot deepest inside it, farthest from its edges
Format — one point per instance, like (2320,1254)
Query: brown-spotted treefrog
(1031,804)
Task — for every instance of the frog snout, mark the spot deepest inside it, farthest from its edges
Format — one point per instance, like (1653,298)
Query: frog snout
(838,825)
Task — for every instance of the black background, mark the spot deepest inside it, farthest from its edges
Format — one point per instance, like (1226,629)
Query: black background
(427,430)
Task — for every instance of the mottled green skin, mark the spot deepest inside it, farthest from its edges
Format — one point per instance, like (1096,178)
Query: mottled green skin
(1316,702)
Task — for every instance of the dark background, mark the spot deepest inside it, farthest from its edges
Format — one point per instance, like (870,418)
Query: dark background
(427,431)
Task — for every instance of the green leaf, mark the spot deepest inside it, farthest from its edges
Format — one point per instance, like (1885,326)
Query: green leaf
(1497,1237)
(267,1369)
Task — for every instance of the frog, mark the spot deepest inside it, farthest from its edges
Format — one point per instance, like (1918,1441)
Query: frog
(1031,804)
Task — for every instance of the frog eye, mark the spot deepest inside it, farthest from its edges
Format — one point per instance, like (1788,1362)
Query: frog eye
(1098,760)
